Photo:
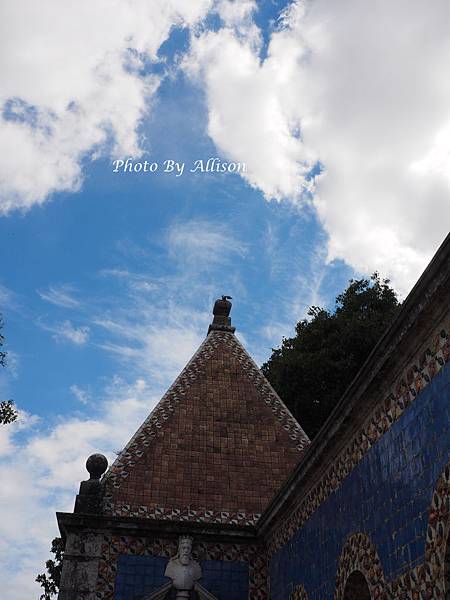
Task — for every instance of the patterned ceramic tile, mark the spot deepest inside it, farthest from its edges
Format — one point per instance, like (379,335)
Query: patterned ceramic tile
(425,581)
(298,593)
(217,447)
(114,546)
(414,379)
(359,554)
(160,513)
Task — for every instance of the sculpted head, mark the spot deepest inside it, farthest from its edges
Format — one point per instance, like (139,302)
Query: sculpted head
(185,549)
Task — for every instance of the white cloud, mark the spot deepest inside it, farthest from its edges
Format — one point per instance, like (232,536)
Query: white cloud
(59,295)
(53,460)
(73,87)
(9,299)
(363,91)
(13,363)
(5,295)
(66,331)
(137,282)
(203,243)
(157,341)
(24,421)
(80,394)
(248,118)
(162,325)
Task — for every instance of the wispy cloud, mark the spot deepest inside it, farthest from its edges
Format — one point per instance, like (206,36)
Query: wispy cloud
(203,243)
(138,282)
(163,322)
(13,363)
(298,273)
(80,394)
(60,295)
(66,331)
(158,351)
(5,295)
(10,300)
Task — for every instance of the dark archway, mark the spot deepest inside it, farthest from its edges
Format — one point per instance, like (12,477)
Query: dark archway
(356,587)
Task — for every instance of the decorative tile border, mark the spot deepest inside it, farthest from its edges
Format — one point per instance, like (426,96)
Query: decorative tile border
(413,380)
(428,579)
(360,554)
(298,593)
(122,509)
(438,533)
(114,546)
(269,395)
(165,409)
(425,581)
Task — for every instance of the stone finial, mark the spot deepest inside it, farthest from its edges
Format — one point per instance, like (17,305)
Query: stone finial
(221,312)
(96,465)
(89,499)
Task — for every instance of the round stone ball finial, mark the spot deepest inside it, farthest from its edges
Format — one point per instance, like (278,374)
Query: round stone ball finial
(96,465)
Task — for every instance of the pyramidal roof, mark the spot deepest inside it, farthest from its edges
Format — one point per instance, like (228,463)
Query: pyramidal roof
(216,448)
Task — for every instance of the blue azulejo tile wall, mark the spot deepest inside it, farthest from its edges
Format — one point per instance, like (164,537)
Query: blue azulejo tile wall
(387,496)
(228,580)
(138,576)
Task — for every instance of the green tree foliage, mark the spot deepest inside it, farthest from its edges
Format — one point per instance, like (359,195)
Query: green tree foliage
(50,581)
(312,370)
(8,413)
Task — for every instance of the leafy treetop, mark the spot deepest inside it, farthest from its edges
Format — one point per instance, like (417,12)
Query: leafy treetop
(50,581)
(312,370)
(8,413)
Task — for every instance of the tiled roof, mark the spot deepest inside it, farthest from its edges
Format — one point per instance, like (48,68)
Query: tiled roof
(216,448)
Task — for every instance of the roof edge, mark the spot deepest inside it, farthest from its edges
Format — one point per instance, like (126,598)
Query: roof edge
(109,473)
(70,522)
(435,275)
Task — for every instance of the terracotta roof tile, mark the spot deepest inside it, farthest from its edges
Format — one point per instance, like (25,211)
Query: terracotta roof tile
(220,442)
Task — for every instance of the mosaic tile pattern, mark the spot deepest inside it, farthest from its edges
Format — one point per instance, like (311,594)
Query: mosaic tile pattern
(360,554)
(413,380)
(298,593)
(114,547)
(226,579)
(438,530)
(122,509)
(426,580)
(423,581)
(217,447)
(138,576)
(269,395)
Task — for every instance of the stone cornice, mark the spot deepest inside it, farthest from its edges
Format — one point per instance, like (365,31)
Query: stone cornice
(76,522)
(419,315)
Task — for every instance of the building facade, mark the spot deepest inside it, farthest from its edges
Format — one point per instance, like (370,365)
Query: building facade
(220,493)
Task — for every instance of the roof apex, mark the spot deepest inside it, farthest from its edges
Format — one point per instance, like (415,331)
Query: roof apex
(221,312)
(220,440)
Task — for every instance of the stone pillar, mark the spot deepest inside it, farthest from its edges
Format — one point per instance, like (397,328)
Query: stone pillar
(80,566)
(83,549)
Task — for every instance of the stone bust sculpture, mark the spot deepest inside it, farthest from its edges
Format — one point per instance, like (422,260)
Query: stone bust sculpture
(182,569)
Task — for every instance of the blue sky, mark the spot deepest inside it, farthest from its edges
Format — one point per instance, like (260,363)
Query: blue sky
(179,240)
(108,279)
